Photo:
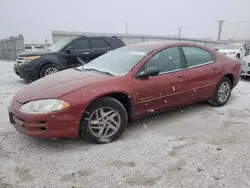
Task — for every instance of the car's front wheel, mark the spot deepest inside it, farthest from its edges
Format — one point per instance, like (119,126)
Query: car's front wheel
(222,92)
(104,120)
(48,69)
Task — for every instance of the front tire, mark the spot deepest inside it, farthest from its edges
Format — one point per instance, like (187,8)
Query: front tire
(238,56)
(222,92)
(104,121)
(48,69)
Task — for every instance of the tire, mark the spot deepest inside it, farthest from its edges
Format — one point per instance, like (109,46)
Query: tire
(46,68)
(238,56)
(101,126)
(244,77)
(216,101)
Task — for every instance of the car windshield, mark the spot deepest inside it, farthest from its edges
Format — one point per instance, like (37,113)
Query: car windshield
(117,62)
(59,45)
(233,47)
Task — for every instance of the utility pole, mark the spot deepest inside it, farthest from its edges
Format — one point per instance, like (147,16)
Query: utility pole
(126,28)
(220,28)
(179,35)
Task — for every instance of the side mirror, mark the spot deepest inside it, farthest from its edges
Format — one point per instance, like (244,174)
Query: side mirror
(150,71)
(69,50)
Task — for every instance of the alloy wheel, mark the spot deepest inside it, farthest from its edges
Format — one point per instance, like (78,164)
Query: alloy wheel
(223,92)
(104,122)
(50,70)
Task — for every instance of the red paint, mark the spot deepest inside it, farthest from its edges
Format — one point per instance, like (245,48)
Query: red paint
(154,94)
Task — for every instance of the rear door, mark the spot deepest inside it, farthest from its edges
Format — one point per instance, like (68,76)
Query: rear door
(98,47)
(203,72)
(164,91)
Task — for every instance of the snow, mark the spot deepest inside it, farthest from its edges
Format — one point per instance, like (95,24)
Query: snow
(198,146)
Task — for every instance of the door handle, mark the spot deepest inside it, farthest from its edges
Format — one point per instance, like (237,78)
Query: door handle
(85,53)
(215,69)
(182,78)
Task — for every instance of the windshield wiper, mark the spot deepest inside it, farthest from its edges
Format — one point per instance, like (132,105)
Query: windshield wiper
(96,70)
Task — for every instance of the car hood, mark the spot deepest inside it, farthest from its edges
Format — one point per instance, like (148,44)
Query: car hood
(58,85)
(227,50)
(34,53)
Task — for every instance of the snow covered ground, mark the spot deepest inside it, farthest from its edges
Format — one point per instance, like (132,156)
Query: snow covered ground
(197,146)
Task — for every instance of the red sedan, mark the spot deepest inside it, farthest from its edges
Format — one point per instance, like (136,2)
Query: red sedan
(98,99)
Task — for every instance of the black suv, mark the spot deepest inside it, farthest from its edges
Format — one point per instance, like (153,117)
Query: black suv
(65,54)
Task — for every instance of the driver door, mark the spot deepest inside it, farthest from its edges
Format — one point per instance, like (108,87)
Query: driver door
(165,91)
(78,53)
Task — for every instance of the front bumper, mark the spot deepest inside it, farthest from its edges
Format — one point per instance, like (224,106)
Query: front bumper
(245,69)
(63,124)
(24,73)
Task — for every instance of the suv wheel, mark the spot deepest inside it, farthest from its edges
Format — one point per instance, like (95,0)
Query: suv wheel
(104,120)
(47,70)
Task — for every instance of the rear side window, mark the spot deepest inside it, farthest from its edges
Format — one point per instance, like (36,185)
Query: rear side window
(98,43)
(196,56)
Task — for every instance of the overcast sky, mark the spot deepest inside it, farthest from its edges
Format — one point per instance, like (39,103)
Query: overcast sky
(36,19)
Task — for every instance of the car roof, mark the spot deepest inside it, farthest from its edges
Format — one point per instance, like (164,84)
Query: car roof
(114,37)
(160,44)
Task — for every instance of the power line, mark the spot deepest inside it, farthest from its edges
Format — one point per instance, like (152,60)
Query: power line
(238,22)
(220,28)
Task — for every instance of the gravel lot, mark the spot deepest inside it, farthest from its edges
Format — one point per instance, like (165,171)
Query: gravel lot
(197,146)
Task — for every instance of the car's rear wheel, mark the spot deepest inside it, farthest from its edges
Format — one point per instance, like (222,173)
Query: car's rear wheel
(222,92)
(104,120)
(238,56)
(244,77)
(48,69)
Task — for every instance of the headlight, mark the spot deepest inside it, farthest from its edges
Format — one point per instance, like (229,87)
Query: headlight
(30,58)
(44,106)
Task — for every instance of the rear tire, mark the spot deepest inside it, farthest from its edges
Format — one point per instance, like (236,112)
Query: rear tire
(48,69)
(104,121)
(222,92)
(244,77)
(238,56)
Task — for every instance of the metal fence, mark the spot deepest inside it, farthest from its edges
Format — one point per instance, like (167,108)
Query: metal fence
(11,47)
(133,38)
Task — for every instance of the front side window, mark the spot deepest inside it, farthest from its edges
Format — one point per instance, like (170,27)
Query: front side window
(196,56)
(98,43)
(80,44)
(167,60)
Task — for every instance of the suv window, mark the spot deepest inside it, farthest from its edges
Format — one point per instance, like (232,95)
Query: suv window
(196,56)
(80,44)
(166,60)
(115,42)
(98,43)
